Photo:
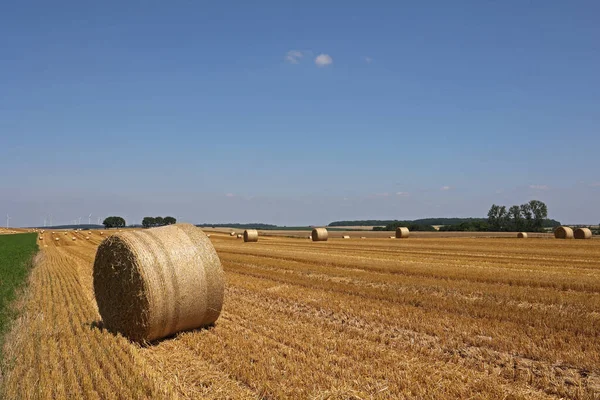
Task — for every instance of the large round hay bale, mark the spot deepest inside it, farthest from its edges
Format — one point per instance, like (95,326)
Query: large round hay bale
(153,283)
(563,232)
(402,232)
(250,235)
(319,235)
(582,233)
(522,235)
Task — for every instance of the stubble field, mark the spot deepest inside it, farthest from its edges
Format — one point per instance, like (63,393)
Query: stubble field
(372,318)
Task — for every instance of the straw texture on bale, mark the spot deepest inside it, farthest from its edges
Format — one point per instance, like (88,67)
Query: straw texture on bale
(250,235)
(319,235)
(522,235)
(582,233)
(563,232)
(153,283)
(402,232)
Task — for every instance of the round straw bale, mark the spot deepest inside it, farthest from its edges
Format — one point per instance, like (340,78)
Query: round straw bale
(239,236)
(232,234)
(87,238)
(363,237)
(402,232)
(74,238)
(250,235)
(102,233)
(153,283)
(522,235)
(309,237)
(563,232)
(582,233)
(345,237)
(319,235)
(392,237)
(41,238)
(57,239)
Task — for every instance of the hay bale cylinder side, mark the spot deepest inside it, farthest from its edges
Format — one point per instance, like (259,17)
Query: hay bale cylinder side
(563,232)
(153,283)
(319,235)
(250,235)
(402,232)
(522,235)
(582,233)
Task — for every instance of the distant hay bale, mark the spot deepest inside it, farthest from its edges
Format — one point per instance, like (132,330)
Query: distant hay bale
(345,237)
(208,235)
(170,279)
(41,238)
(402,232)
(87,238)
(57,239)
(363,237)
(319,235)
(102,233)
(392,237)
(74,238)
(582,233)
(250,235)
(232,234)
(563,232)
(522,235)
(309,237)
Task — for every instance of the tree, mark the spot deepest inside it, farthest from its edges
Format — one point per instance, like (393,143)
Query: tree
(516,218)
(159,221)
(170,221)
(497,218)
(528,216)
(114,222)
(540,213)
(148,222)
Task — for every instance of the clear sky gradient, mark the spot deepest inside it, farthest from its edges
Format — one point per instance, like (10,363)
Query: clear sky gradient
(298,112)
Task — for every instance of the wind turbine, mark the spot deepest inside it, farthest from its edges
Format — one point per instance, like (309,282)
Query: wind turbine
(90,219)
(7,219)
(98,220)
(79,219)
(44,222)
(50,219)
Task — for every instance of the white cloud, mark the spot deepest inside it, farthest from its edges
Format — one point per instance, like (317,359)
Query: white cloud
(444,188)
(538,187)
(293,56)
(403,194)
(368,60)
(323,60)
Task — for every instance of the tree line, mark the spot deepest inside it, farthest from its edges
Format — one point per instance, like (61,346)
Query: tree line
(151,222)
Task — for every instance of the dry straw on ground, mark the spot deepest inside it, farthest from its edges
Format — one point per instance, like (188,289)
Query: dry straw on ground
(152,283)
(522,235)
(402,232)
(319,235)
(250,235)
(582,233)
(563,232)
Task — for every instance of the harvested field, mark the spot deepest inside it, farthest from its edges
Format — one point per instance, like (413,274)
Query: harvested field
(374,318)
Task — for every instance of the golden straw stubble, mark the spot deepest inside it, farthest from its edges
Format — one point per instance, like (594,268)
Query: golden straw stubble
(153,283)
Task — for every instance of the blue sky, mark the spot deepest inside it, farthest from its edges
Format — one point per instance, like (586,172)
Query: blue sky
(298,112)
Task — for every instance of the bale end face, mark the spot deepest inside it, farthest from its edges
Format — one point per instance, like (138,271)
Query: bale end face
(582,233)
(250,235)
(563,232)
(319,235)
(522,235)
